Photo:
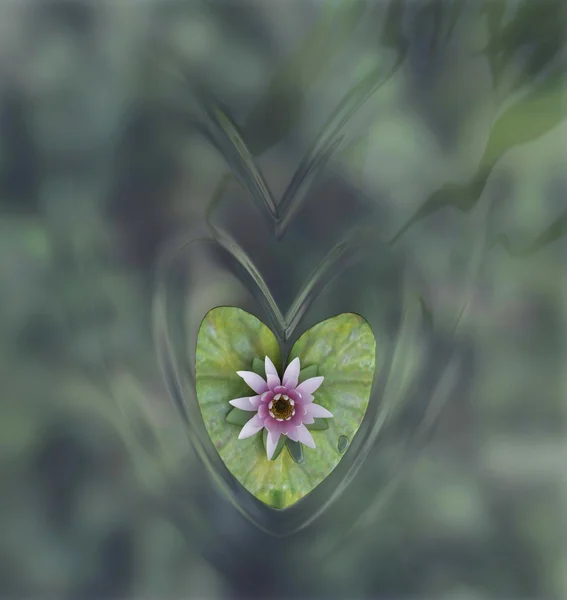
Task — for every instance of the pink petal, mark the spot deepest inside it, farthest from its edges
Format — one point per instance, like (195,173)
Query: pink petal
(293,395)
(255,401)
(297,418)
(251,427)
(254,381)
(300,398)
(305,437)
(263,411)
(286,426)
(319,412)
(267,397)
(291,375)
(242,403)
(272,425)
(270,367)
(310,385)
(307,418)
(292,434)
(273,382)
(271,443)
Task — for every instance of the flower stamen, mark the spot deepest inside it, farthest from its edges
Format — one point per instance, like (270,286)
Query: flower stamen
(282,408)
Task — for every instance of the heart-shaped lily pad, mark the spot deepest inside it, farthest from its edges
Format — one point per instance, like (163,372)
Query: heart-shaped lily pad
(341,349)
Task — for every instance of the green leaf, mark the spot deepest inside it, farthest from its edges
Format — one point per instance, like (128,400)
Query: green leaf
(318,425)
(342,444)
(344,350)
(555,231)
(529,118)
(308,372)
(535,114)
(258,367)
(295,450)
(239,417)
(533,37)
(279,447)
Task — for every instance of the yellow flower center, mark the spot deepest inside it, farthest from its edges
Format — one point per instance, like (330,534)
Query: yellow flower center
(282,408)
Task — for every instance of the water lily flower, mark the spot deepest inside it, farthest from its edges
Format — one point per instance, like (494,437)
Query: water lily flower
(282,407)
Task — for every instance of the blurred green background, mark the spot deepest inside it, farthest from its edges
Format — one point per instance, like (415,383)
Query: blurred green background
(459,149)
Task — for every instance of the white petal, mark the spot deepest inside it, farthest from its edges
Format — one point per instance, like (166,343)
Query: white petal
(254,381)
(318,411)
(310,385)
(270,367)
(291,375)
(304,436)
(251,427)
(273,382)
(242,404)
(271,443)
(255,401)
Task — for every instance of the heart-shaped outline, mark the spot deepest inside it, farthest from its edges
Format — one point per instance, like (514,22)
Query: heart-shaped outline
(222,131)
(180,382)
